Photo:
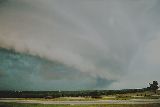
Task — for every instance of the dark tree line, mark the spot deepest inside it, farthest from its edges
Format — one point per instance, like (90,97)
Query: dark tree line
(56,94)
(153,86)
(84,93)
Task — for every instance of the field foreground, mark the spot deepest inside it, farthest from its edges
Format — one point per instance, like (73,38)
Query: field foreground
(131,101)
(68,105)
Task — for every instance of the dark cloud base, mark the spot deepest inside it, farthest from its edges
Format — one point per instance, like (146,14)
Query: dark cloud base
(19,71)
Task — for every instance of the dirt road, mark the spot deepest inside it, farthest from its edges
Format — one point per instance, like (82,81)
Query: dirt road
(133,101)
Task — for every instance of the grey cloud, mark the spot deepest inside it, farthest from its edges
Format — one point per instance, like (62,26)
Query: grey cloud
(25,72)
(100,39)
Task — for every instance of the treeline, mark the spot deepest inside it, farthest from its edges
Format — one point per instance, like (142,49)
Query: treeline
(86,93)
(56,94)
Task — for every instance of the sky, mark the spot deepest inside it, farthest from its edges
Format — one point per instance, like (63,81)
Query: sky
(79,44)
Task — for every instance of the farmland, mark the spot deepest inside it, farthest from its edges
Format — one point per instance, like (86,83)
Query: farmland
(95,105)
(94,98)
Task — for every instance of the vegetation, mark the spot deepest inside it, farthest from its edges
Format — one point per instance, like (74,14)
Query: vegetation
(125,94)
(97,105)
(56,94)
(86,94)
(154,86)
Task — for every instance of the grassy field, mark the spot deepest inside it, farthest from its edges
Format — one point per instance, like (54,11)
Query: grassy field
(128,96)
(109,105)
(138,95)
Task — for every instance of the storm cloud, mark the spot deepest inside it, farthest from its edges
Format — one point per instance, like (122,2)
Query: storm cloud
(87,44)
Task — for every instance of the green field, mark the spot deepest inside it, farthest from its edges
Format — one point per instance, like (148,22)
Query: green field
(101,105)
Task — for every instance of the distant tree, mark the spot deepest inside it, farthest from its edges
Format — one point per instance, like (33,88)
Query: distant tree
(154,86)
(95,94)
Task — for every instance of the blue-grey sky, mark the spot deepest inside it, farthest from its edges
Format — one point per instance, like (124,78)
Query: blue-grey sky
(79,44)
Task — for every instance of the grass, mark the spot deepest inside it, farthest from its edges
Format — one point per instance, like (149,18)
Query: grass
(144,95)
(97,105)
(60,99)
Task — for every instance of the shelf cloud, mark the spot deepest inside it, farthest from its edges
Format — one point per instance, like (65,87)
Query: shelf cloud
(86,44)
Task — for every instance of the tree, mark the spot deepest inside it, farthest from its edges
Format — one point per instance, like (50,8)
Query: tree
(154,86)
